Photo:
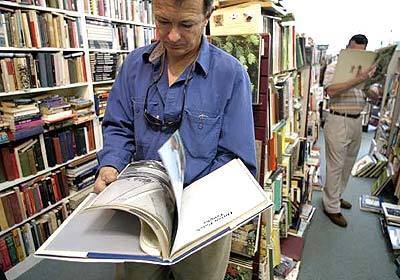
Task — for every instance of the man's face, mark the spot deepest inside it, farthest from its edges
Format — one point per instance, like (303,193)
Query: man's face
(179,26)
(353,45)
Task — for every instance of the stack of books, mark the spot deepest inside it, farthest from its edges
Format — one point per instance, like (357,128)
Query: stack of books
(55,109)
(103,66)
(391,224)
(23,116)
(82,110)
(81,173)
(100,99)
(370,165)
(101,34)
(4,127)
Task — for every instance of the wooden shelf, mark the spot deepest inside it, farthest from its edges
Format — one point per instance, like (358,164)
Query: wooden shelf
(103,82)
(39,8)
(41,90)
(9,184)
(12,49)
(108,19)
(109,51)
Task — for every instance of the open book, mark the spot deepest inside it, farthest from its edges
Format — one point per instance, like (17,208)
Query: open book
(147,216)
(351,61)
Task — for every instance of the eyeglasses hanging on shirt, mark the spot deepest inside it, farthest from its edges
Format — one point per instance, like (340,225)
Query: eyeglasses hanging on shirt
(154,121)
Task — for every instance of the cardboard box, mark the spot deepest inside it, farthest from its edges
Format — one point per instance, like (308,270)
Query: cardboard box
(235,20)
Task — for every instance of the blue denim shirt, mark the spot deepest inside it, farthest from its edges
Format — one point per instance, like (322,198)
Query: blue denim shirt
(217,121)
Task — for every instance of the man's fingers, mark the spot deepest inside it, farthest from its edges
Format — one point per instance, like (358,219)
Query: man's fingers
(109,176)
(99,185)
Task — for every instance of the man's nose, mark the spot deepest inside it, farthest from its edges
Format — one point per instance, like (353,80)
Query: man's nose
(174,35)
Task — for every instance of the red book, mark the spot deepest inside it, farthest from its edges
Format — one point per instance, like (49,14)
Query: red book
(272,162)
(5,258)
(64,181)
(32,31)
(56,188)
(32,200)
(91,136)
(292,247)
(57,149)
(27,202)
(10,168)
(16,210)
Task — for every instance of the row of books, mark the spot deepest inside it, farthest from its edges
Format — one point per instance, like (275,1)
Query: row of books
(106,35)
(81,173)
(22,160)
(101,94)
(70,5)
(32,197)
(24,71)
(25,240)
(62,146)
(104,66)
(132,10)
(56,147)
(33,29)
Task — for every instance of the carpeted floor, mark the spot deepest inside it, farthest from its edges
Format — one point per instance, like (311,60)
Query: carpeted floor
(358,252)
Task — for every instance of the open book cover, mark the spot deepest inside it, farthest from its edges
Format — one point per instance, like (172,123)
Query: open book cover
(147,216)
(351,61)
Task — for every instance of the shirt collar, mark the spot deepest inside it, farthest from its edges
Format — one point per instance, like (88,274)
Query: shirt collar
(154,52)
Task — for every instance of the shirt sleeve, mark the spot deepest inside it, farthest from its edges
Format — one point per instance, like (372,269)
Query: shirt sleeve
(118,128)
(237,138)
(329,72)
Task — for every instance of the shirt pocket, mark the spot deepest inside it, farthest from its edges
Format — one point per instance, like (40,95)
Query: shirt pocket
(143,136)
(200,133)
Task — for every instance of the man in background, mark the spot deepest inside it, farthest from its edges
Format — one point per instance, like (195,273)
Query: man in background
(180,82)
(342,131)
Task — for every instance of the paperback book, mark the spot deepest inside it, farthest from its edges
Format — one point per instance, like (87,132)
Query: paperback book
(370,203)
(147,216)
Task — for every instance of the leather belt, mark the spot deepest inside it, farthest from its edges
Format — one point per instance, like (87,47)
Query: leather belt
(353,116)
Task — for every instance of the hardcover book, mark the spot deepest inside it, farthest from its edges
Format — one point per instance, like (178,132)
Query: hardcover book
(147,216)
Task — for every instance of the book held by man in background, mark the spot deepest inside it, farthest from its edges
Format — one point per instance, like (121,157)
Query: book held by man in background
(351,62)
(147,216)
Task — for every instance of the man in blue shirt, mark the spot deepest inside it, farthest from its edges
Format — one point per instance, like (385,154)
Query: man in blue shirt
(182,82)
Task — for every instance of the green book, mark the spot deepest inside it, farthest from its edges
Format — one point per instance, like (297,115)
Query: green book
(11,249)
(24,160)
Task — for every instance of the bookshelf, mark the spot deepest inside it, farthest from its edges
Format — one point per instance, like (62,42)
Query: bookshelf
(284,112)
(73,42)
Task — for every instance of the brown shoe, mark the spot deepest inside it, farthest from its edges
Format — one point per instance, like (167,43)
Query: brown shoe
(345,204)
(337,218)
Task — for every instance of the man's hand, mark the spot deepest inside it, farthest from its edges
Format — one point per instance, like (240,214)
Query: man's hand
(107,175)
(367,74)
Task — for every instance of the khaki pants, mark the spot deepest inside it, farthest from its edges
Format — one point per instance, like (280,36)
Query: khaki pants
(342,143)
(210,263)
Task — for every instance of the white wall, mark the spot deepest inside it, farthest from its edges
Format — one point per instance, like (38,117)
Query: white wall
(333,22)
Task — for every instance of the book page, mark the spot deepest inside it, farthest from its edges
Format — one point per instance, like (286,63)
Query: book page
(218,202)
(172,154)
(143,189)
(350,62)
